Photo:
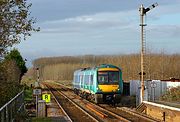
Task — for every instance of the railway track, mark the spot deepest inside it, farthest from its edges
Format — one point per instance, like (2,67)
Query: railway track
(93,111)
(62,112)
(131,114)
(139,115)
(62,109)
(122,112)
(72,111)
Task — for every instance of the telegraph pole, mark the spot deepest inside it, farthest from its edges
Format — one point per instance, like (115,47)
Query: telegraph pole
(143,12)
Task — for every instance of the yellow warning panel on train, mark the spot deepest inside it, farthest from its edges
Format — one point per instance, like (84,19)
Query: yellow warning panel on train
(46,97)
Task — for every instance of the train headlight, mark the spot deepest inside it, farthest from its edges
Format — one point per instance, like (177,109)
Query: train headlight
(98,89)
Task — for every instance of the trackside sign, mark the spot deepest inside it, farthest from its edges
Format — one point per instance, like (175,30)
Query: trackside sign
(46,98)
(36,91)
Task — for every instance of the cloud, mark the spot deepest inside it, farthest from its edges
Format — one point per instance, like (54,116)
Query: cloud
(165,31)
(111,28)
(80,19)
(119,20)
(97,22)
(79,28)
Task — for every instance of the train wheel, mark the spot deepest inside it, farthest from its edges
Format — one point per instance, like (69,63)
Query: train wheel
(92,98)
(98,98)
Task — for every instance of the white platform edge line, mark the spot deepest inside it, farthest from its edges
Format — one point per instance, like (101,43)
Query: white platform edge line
(162,106)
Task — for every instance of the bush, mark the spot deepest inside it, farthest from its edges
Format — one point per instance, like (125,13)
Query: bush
(8,90)
(172,95)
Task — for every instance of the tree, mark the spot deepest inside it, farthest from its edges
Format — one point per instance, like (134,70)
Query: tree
(11,71)
(15,55)
(15,23)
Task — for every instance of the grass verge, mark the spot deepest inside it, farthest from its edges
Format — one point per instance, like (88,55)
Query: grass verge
(28,94)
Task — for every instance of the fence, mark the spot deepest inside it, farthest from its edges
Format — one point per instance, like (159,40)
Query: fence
(11,108)
(153,89)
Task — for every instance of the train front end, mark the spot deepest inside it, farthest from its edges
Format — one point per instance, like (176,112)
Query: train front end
(109,84)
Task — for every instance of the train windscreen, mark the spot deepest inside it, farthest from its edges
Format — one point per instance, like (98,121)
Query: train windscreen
(108,77)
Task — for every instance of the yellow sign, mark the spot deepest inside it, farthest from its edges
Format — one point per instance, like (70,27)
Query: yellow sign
(46,97)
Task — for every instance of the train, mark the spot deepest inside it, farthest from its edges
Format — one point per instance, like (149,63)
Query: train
(100,84)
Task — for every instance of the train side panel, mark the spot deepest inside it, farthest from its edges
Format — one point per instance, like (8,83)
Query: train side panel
(85,81)
(89,81)
(76,80)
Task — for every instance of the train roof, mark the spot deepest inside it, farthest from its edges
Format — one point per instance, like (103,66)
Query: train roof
(97,67)
(108,66)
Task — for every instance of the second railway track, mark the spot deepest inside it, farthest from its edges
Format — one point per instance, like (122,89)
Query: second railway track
(82,110)
(122,112)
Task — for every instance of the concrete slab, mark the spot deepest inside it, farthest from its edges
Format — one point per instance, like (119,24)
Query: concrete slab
(162,112)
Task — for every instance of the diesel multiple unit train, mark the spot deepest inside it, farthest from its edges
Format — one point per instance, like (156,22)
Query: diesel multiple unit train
(101,83)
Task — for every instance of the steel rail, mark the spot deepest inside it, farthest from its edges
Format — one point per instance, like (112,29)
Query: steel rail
(137,114)
(110,112)
(69,119)
(77,105)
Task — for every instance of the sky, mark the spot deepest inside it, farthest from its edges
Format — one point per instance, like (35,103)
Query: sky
(100,27)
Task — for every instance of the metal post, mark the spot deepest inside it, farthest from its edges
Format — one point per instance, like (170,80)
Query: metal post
(36,105)
(37,95)
(94,60)
(142,53)
(7,116)
(37,74)
(2,116)
(154,94)
(11,111)
(164,116)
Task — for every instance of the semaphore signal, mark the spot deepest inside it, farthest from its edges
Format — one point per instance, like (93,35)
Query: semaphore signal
(143,12)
